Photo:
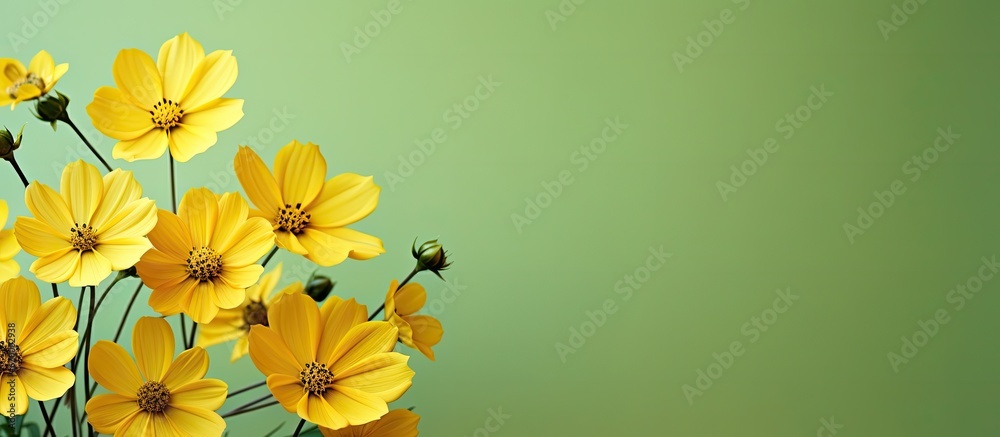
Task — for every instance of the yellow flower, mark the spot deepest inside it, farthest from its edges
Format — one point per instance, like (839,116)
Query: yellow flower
(398,423)
(418,332)
(163,395)
(235,323)
(177,101)
(20,84)
(308,215)
(204,257)
(329,365)
(93,227)
(34,366)
(8,247)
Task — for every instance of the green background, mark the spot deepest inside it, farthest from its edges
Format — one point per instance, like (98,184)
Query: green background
(525,290)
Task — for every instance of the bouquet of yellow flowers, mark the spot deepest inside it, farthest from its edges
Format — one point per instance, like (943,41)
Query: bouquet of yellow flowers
(203,258)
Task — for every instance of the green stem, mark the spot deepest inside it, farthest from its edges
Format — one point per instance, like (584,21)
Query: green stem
(86,333)
(247,388)
(86,353)
(240,409)
(237,412)
(55,290)
(269,256)
(17,168)
(127,310)
(89,146)
(401,284)
(48,420)
(298,429)
(194,330)
(184,335)
(173,185)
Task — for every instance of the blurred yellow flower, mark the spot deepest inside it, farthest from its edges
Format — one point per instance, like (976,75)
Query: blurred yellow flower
(205,256)
(92,227)
(308,215)
(8,247)
(160,396)
(330,366)
(20,84)
(418,332)
(175,102)
(235,323)
(397,423)
(34,365)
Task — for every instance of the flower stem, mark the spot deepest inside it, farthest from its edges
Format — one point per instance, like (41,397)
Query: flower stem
(269,256)
(89,146)
(194,330)
(250,406)
(184,335)
(127,310)
(247,388)
(86,333)
(173,185)
(45,416)
(401,284)
(17,168)
(86,353)
(55,290)
(298,429)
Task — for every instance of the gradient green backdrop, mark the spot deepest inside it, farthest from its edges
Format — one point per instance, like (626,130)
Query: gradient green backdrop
(525,290)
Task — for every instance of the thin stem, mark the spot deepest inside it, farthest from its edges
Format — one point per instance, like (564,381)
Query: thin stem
(298,429)
(247,388)
(17,168)
(74,410)
(248,405)
(127,310)
(86,353)
(86,333)
(194,330)
(269,256)
(91,147)
(184,335)
(401,284)
(173,185)
(55,290)
(79,304)
(248,410)
(45,415)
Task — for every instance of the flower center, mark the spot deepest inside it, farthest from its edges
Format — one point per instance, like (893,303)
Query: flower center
(153,397)
(204,264)
(31,78)
(255,313)
(293,219)
(83,237)
(166,114)
(316,378)
(10,358)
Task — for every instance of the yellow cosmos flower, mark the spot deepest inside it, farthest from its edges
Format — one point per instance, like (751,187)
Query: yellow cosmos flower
(176,101)
(308,215)
(34,365)
(398,423)
(235,323)
(20,84)
(163,395)
(329,365)
(418,332)
(8,247)
(92,227)
(204,257)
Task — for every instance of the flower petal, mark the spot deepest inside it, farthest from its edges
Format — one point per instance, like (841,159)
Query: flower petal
(270,354)
(50,319)
(338,318)
(167,299)
(114,115)
(357,406)
(427,332)
(171,235)
(213,77)
(317,409)
(38,238)
(250,243)
(218,115)
(209,394)
(48,206)
(200,303)
(300,171)
(195,422)
(186,141)
(139,424)
(258,182)
(54,351)
(233,211)
(361,342)
(149,145)
(134,220)
(199,208)
(329,247)
(120,190)
(296,319)
(19,298)
(384,375)
(124,252)
(57,267)
(153,346)
(137,76)
(410,298)
(45,384)
(288,390)
(178,58)
(93,269)
(20,401)
(190,366)
(107,412)
(113,369)
(345,199)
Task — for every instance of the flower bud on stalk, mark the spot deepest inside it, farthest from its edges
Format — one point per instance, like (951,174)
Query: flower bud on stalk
(319,288)
(431,256)
(52,109)
(8,143)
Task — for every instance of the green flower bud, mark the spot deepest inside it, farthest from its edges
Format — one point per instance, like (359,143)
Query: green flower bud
(51,109)
(431,256)
(8,143)
(319,288)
